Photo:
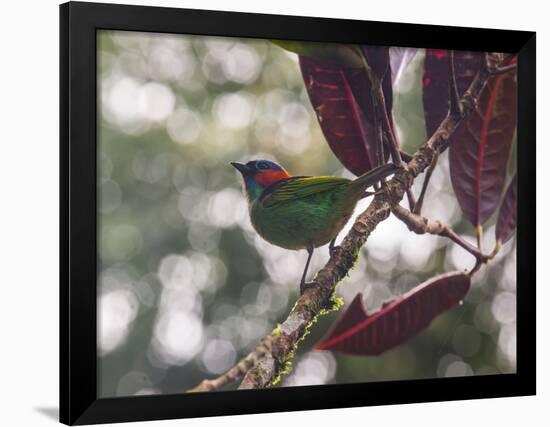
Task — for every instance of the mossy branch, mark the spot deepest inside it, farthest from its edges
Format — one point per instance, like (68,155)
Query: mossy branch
(270,363)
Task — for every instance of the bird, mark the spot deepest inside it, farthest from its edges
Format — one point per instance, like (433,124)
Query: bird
(302,212)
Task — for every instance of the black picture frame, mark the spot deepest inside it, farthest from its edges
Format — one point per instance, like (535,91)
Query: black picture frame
(79,403)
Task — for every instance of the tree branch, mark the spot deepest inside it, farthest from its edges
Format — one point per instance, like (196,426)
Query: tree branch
(411,199)
(238,370)
(318,298)
(454,104)
(420,225)
(493,63)
(503,70)
(386,125)
(418,205)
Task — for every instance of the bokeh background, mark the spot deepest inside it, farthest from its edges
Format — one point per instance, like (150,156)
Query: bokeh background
(185,285)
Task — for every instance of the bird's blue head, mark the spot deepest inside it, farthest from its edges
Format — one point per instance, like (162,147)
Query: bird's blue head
(258,175)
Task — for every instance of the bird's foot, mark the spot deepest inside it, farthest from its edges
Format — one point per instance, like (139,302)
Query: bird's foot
(305,286)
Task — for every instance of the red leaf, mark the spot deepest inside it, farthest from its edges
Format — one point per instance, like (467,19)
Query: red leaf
(435,82)
(359,333)
(481,148)
(507,216)
(378,58)
(341,98)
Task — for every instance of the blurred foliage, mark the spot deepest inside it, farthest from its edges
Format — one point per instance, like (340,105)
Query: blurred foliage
(186,287)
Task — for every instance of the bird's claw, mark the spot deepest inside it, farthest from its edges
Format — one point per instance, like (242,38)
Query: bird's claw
(305,286)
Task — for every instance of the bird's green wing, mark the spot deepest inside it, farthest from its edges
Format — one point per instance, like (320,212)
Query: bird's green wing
(300,187)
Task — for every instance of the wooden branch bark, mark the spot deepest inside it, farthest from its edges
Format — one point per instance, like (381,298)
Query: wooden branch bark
(454,104)
(318,298)
(417,208)
(238,370)
(411,199)
(504,69)
(387,128)
(420,225)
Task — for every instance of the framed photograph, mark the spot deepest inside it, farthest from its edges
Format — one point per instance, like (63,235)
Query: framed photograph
(297,212)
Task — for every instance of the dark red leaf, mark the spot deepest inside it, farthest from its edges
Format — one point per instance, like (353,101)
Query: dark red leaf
(342,100)
(400,58)
(435,82)
(507,216)
(481,149)
(359,333)
(378,59)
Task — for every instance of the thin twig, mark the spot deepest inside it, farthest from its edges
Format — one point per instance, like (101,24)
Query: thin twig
(420,225)
(379,132)
(394,144)
(493,62)
(411,199)
(454,96)
(379,109)
(503,69)
(479,263)
(236,371)
(418,205)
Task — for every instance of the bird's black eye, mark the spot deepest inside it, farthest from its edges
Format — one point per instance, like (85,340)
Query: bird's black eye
(263,165)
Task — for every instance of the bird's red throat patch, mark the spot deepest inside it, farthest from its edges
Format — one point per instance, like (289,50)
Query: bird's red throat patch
(270,177)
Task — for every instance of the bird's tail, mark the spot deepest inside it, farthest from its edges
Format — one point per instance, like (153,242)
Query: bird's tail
(373,176)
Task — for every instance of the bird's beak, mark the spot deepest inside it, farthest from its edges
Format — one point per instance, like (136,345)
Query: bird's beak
(241,167)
